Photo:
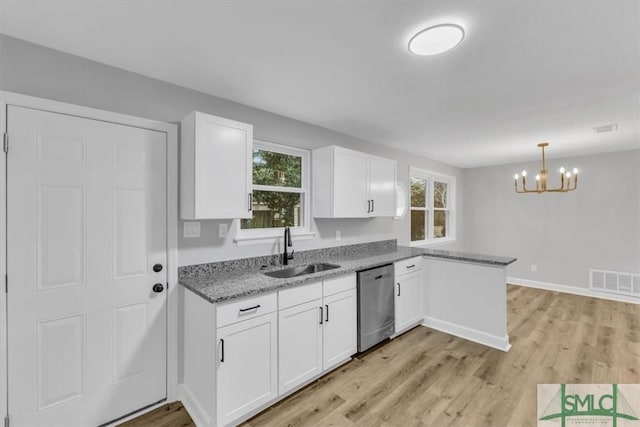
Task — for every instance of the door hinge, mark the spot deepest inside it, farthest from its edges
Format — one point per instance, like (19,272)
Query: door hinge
(5,144)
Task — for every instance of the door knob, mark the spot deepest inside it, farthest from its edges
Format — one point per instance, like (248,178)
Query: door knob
(157,268)
(158,287)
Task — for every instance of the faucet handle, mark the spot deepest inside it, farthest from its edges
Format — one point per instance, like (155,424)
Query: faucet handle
(290,256)
(287,235)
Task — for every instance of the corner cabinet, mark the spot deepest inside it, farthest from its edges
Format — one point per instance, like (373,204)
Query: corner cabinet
(351,184)
(215,172)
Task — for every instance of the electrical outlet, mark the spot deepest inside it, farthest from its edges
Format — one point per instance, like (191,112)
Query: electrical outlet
(191,229)
(223,230)
(338,235)
(534,268)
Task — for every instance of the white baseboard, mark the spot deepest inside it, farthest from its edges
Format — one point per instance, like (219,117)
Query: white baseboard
(572,290)
(493,341)
(197,414)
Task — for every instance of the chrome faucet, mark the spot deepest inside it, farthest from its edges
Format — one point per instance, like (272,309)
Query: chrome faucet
(287,243)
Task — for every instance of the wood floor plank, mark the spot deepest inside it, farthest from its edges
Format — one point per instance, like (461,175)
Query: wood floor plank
(428,378)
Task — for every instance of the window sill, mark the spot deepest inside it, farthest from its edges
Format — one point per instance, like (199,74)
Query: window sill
(270,238)
(434,242)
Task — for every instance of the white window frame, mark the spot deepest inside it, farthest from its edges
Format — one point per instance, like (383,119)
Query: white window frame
(430,177)
(265,235)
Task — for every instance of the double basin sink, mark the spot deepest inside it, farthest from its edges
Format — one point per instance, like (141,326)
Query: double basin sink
(301,270)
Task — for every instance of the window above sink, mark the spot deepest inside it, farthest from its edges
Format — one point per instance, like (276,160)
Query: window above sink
(280,187)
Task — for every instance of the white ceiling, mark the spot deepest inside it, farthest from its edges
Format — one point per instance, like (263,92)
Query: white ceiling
(527,71)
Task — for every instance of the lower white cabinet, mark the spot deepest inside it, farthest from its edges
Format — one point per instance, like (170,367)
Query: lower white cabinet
(241,355)
(316,334)
(340,328)
(408,294)
(300,345)
(247,366)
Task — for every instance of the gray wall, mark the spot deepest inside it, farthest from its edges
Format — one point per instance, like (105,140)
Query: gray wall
(564,234)
(39,71)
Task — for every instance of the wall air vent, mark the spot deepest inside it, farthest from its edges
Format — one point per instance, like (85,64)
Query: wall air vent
(615,282)
(606,128)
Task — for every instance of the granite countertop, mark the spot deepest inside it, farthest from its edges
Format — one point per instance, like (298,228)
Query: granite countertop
(232,279)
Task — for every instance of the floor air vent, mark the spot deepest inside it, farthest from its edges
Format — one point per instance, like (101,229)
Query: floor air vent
(615,282)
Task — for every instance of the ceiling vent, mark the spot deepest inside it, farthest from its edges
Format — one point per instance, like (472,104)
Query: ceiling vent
(606,128)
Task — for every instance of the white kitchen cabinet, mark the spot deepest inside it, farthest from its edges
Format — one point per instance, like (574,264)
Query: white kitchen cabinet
(300,345)
(382,186)
(216,167)
(243,355)
(408,294)
(247,366)
(351,184)
(340,328)
(317,329)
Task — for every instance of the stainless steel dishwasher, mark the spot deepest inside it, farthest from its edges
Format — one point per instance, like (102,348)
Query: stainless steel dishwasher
(376,313)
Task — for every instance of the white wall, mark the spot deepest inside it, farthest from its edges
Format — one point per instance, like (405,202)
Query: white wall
(38,71)
(564,234)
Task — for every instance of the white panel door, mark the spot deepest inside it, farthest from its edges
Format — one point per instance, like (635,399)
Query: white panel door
(350,184)
(382,186)
(408,300)
(86,224)
(299,344)
(340,328)
(247,366)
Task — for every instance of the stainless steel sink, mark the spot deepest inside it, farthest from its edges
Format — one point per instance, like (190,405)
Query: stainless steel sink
(301,270)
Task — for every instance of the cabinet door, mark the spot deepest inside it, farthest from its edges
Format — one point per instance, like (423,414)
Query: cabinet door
(350,184)
(382,186)
(300,344)
(216,167)
(408,300)
(340,324)
(247,366)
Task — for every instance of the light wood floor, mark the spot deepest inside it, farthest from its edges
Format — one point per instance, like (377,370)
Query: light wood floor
(428,378)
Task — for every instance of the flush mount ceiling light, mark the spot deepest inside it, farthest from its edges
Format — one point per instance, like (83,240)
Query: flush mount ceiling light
(436,39)
(566,179)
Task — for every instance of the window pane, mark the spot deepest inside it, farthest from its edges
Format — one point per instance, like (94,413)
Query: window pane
(417,225)
(439,194)
(440,223)
(282,170)
(418,192)
(272,209)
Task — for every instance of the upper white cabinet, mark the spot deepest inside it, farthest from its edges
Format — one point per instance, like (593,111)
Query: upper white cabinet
(382,186)
(215,167)
(351,184)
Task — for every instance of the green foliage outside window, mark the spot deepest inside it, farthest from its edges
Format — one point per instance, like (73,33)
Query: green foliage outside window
(273,209)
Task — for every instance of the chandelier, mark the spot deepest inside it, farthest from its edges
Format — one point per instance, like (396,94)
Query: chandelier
(568,181)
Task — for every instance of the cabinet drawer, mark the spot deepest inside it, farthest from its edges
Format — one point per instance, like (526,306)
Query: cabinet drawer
(246,308)
(299,295)
(408,266)
(339,284)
